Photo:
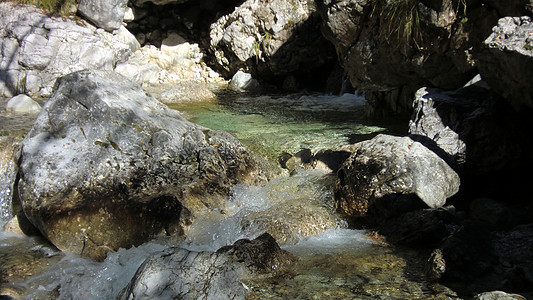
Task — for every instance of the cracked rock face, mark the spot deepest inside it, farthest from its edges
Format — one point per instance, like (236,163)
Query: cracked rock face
(106,166)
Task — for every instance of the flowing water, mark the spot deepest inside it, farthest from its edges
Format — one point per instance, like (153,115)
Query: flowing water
(336,262)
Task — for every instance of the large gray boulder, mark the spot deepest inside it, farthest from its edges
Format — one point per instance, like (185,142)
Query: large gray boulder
(392,48)
(507,63)
(106,166)
(182,274)
(270,38)
(387,175)
(104,14)
(478,133)
(36,49)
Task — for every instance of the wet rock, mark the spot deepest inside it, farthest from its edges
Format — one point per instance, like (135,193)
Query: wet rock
(293,221)
(424,227)
(104,14)
(270,39)
(508,60)
(23,104)
(9,156)
(388,175)
(108,166)
(179,273)
(498,295)
(37,49)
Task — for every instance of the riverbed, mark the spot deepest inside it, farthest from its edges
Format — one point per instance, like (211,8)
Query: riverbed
(336,263)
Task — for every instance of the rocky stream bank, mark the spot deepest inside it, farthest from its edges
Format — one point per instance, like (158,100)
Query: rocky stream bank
(107,166)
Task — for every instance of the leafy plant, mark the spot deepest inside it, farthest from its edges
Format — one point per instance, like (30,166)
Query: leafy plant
(261,43)
(401,19)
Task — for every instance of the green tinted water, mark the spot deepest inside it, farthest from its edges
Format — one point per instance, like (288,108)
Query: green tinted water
(273,124)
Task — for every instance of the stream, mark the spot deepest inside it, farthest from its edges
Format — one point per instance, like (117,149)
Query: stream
(336,262)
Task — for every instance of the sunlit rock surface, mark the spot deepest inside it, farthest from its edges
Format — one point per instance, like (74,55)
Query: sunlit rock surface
(271,38)
(383,174)
(37,49)
(507,62)
(23,104)
(104,14)
(106,166)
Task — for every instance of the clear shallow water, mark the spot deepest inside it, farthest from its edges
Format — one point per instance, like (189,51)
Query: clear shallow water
(274,124)
(337,263)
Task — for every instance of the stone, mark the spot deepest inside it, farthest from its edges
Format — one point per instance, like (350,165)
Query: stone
(498,295)
(9,156)
(507,62)
(104,14)
(242,82)
(180,273)
(390,175)
(36,49)
(108,166)
(23,104)
(390,49)
(459,125)
(271,38)
(188,91)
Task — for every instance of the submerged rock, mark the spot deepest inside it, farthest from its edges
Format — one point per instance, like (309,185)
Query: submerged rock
(106,166)
(180,273)
(507,63)
(386,176)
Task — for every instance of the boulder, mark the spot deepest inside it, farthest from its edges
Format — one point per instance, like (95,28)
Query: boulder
(459,126)
(23,104)
(106,166)
(507,62)
(104,14)
(392,48)
(37,49)
(242,82)
(180,273)
(389,175)
(271,39)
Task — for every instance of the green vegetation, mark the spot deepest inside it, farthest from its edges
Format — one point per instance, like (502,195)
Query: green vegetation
(53,7)
(401,19)
(263,43)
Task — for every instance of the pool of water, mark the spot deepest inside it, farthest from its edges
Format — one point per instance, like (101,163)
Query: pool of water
(336,262)
(271,124)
